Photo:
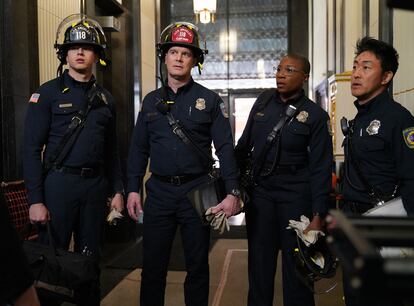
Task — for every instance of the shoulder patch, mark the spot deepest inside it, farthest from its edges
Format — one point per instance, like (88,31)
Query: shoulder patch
(224,110)
(34,98)
(408,135)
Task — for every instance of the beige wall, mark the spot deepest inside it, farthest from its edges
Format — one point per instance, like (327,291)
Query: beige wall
(403,42)
(333,48)
(50,14)
(148,41)
(374,18)
(148,56)
(353,30)
(318,56)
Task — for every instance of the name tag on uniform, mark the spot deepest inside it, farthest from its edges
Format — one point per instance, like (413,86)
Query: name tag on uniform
(65,105)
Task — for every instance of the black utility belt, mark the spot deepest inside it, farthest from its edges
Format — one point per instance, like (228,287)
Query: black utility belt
(82,172)
(177,179)
(287,169)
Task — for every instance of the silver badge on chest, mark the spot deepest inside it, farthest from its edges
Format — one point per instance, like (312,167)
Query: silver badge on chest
(373,127)
(302,116)
(200,104)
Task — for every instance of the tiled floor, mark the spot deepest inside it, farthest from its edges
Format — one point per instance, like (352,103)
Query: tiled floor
(228,281)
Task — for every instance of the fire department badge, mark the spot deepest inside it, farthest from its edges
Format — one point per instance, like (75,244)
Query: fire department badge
(409,137)
(200,104)
(373,127)
(302,116)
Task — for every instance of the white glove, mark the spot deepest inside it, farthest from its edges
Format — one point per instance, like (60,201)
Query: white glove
(299,226)
(217,221)
(114,216)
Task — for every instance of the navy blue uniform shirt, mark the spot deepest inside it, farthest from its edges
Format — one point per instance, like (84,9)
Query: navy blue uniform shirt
(49,114)
(202,113)
(383,143)
(305,140)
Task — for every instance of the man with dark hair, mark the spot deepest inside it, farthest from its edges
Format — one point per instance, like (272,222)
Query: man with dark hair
(385,53)
(73,119)
(176,168)
(292,177)
(379,146)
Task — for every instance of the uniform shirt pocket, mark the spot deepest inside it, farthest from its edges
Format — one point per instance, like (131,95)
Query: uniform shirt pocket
(298,128)
(62,114)
(152,117)
(296,137)
(102,114)
(371,144)
(197,116)
(198,121)
(260,117)
(155,121)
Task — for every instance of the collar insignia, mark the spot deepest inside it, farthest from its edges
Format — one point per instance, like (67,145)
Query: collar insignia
(302,116)
(373,127)
(200,104)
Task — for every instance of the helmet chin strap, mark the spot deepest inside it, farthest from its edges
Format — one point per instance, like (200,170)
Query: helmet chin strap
(60,69)
(200,67)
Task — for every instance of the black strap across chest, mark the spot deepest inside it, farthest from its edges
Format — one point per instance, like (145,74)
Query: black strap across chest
(76,125)
(164,107)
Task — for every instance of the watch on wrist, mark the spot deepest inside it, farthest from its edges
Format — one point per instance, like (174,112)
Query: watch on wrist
(235,192)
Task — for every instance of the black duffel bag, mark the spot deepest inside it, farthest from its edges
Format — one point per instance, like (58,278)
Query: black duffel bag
(208,194)
(59,274)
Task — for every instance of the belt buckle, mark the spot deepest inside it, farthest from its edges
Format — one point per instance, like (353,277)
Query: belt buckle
(85,172)
(175,180)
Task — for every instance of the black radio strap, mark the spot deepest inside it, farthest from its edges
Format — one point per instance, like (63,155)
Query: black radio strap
(273,137)
(164,107)
(73,131)
(376,195)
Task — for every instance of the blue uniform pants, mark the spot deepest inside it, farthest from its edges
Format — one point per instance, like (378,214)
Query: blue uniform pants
(275,201)
(77,204)
(166,208)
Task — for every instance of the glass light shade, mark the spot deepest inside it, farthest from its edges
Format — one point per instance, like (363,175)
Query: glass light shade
(205,16)
(201,5)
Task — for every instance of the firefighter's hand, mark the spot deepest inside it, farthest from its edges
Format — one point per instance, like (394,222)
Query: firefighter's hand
(134,205)
(38,212)
(230,206)
(117,202)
